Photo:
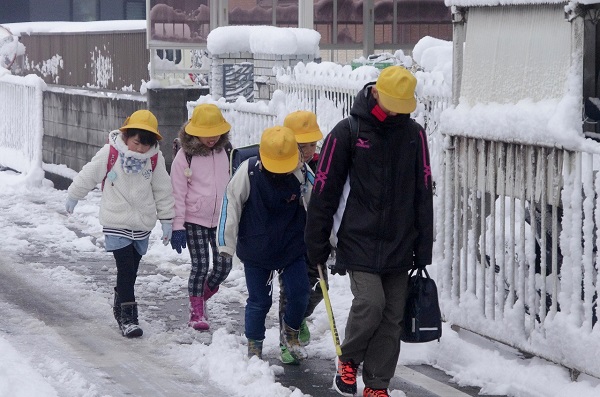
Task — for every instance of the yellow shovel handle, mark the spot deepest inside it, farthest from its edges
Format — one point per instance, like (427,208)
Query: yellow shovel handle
(334,332)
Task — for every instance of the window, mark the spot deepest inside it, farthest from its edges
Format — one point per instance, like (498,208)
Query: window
(135,9)
(85,10)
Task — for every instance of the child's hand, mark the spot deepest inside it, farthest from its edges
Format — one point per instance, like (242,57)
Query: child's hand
(178,240)
(70,205)
(167,229)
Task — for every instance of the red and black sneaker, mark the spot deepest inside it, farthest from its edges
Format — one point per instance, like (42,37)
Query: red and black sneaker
(345,378)
(369,392)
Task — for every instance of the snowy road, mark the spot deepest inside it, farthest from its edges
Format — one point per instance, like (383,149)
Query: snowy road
(70,336)
(55,310)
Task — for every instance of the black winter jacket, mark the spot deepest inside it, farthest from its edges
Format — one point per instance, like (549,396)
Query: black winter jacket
(387,224)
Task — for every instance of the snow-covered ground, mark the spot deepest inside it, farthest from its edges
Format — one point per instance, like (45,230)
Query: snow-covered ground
(58,337)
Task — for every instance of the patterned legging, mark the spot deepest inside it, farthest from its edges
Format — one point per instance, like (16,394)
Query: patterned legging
(200,239)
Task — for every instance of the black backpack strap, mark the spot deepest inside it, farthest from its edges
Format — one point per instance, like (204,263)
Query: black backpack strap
(354,123)
(228,149)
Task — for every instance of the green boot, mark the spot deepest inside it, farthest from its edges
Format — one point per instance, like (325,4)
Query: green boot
(286,357)
(255,348)
(289,339)
(304,334)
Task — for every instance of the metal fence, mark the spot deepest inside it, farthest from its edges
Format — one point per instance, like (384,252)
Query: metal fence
(517,237)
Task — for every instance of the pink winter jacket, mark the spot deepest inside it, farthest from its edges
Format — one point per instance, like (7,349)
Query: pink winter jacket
(198,197)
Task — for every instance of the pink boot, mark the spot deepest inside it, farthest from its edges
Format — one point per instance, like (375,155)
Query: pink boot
(197,318)
(208,292)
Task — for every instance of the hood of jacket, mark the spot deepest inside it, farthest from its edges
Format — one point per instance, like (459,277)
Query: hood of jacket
(194,147)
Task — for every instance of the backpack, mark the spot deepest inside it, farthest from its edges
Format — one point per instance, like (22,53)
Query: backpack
(177,145)
(354,127)
(113,155)
(238,155)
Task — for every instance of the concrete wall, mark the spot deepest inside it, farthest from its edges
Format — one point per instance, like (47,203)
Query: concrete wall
(76,124)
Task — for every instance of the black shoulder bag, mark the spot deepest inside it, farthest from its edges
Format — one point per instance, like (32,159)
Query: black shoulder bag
(422,315)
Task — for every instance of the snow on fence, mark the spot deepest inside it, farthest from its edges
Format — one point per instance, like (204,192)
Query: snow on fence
(517,235)
(323,87)
(21,125)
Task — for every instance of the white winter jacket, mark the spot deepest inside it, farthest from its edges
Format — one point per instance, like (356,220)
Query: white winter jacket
(131,201)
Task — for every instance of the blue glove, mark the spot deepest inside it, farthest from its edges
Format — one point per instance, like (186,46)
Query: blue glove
(70,204)
(178,240)
(167,229)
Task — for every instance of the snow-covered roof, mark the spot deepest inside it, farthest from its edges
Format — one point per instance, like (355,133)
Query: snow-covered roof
(484,3)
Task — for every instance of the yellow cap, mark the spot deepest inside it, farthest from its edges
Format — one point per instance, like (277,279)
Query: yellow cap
(396,88)
(278,150)
(207,121)
(142,119)
(304,124)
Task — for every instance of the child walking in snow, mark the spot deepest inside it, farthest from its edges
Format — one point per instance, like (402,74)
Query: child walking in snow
(386,227)
(199,175)
(262,219)
(136,191)
(307,132)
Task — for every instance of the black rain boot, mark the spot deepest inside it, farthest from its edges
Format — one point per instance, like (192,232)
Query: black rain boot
(117,308)
(129,320)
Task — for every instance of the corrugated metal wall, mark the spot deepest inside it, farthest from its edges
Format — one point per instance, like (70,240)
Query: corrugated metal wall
(106,60)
